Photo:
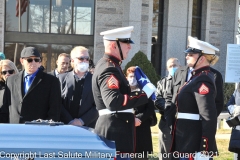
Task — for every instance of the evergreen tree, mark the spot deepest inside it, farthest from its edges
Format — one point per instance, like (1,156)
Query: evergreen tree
(228,89)
(140,59)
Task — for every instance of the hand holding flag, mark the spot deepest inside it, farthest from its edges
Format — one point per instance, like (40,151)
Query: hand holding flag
(144,83)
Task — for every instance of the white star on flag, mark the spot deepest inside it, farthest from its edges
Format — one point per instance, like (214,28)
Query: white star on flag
(144,79)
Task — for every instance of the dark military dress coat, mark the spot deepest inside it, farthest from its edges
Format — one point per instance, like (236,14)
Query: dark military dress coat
(111,91)
(197,96)
(143,132)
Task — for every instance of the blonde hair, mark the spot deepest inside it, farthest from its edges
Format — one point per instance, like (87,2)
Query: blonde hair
(78,49)
(9,64)
(211,58)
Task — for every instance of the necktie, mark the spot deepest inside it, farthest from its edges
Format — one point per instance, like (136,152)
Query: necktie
(28,81)
(189,73)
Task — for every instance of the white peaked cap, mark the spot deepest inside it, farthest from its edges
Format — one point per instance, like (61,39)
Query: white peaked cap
(205,47)
(118,33)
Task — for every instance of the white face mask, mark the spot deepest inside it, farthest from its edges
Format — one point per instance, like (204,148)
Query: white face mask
(82,67)
(132,81)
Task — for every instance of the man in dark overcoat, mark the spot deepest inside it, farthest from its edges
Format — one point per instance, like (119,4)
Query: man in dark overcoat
(161,94)
(32,94)
(78,106)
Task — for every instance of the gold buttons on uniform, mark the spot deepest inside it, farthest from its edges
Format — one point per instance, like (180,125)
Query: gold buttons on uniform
(127,121)
(204,140)
(136,93)
(131,96)
(204,145)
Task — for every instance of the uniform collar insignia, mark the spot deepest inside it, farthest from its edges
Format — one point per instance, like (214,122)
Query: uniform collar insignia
(200,70)
(113,59)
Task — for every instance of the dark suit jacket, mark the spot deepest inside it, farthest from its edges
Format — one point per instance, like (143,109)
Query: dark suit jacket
(200,134)
(179,79)
(43,99)
(87,112)
(2,89)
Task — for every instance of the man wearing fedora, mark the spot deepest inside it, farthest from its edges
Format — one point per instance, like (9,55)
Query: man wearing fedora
(111,92)
(32,94)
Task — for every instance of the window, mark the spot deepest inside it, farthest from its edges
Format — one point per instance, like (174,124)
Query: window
(12,20)
(83,13)
(49,53)
(196,18)
(61,17)
(238,19)
(39,16)
(53,16)
(52,26)
(157,32)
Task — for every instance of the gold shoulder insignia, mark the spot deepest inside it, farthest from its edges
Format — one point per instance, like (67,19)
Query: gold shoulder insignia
(110,63)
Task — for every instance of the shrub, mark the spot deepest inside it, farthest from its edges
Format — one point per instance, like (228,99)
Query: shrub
(140,59)
(228,89)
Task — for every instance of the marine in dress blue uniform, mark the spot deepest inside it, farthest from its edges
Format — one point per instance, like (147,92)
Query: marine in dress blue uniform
(111,92)
(195,127)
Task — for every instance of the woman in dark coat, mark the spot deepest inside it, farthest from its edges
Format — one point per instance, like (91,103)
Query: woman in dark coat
(195,127)
(7,68)
(143,139)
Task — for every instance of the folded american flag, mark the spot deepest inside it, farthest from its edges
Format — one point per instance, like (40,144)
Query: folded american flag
(144,83)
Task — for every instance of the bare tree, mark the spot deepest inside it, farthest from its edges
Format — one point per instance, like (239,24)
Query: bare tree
(39,18)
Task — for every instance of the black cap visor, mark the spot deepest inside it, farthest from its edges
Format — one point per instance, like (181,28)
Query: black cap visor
(193,50)
(125,40)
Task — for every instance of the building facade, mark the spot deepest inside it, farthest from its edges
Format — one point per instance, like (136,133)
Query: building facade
(214,21)
(161,27)
(56,26)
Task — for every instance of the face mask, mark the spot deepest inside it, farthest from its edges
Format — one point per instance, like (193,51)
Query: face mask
(172,70)
(82,67)
(132,81)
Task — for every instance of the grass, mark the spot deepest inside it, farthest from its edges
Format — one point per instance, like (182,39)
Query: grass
(222,144)
(223,131)
(224,154)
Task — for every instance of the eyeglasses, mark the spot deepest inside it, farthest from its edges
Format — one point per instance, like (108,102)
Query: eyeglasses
(83,57)
(9,71)
(35,59)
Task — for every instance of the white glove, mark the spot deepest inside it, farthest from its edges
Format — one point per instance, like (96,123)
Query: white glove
(200,156)
(149,89)
(231,109)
